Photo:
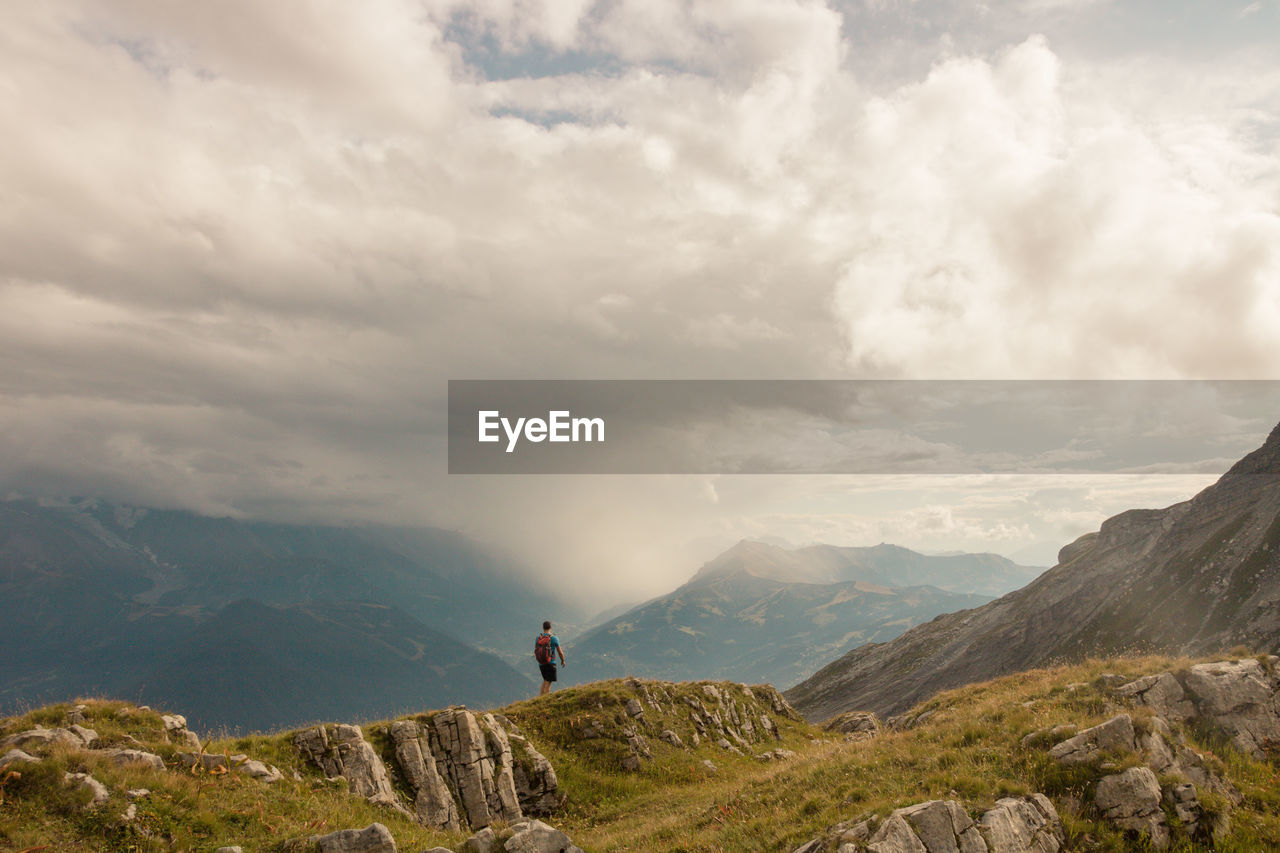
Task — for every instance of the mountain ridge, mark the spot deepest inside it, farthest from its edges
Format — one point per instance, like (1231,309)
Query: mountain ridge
(1197,576)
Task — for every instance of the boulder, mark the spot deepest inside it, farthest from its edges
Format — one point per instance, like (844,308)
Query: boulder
(484,841)
(136,756)
(1115,735)
(175,727)
(77,736)
(1240,696)
(88,737)
(1131,800)
(534,836)
(374,838)
(672,738)
(17,756)
(98,793)
(208,762)
(858,725)
(266,773)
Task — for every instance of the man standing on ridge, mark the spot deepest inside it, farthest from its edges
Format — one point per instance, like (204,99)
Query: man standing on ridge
(545,649)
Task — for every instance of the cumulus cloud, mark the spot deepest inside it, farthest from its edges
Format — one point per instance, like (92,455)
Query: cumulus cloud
(243,245)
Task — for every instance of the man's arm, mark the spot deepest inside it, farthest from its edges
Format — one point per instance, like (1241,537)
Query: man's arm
(560,649)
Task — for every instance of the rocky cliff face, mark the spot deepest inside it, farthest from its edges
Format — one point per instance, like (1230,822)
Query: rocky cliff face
(1194,577)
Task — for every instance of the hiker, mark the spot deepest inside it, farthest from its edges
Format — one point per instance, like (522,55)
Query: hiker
(545,649)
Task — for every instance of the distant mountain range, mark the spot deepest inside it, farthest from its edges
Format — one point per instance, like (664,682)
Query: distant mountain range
(102,599)
(762,613)
(1199,576)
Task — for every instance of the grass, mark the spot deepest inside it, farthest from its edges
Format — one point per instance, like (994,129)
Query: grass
(969,750)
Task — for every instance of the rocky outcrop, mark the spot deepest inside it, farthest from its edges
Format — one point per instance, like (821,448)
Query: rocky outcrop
(854,725)
(1240,697)
(455,768)
(1013,825)
(734,717)
(1188,579)
(433,803)
(1132,799)
(175,729)
(342,751)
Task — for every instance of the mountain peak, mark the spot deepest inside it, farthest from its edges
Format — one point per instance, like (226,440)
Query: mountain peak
(1264,460)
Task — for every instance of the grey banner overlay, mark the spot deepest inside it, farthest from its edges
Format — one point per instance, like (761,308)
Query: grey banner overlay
(856,426)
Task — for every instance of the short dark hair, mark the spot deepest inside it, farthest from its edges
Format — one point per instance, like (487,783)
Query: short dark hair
(546,626)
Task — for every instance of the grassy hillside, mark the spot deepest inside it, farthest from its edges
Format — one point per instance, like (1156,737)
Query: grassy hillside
(968,749)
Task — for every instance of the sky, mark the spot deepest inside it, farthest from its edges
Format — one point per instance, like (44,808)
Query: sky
(244,246)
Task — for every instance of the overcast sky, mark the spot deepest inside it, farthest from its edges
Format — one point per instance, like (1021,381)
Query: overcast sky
(244,245)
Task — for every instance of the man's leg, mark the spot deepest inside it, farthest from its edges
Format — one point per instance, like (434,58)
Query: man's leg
(546,686)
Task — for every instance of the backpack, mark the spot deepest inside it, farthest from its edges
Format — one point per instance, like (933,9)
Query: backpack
(542,649)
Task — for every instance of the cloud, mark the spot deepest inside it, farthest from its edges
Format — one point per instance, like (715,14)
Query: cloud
(244,245)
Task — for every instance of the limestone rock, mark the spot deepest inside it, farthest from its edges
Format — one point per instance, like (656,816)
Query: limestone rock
(1131,800)
(478,761)
(374,838)
(136,756)
(268,774)
(232,849)
(433,804)
(1161,693)
(1241,696)
(709,765)
(88,737)
(859,725)
(41,736)
(484,841)
(341,750)
(98,792)
(537,787)
(208,762)
(943,826)
(1014,825)
(1022,825)
(896,836)
(534,836)
(634,709)
(17,756)
(672,738)
(1116,734)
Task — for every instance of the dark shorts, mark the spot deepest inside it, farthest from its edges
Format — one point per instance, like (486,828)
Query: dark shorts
(548,671)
